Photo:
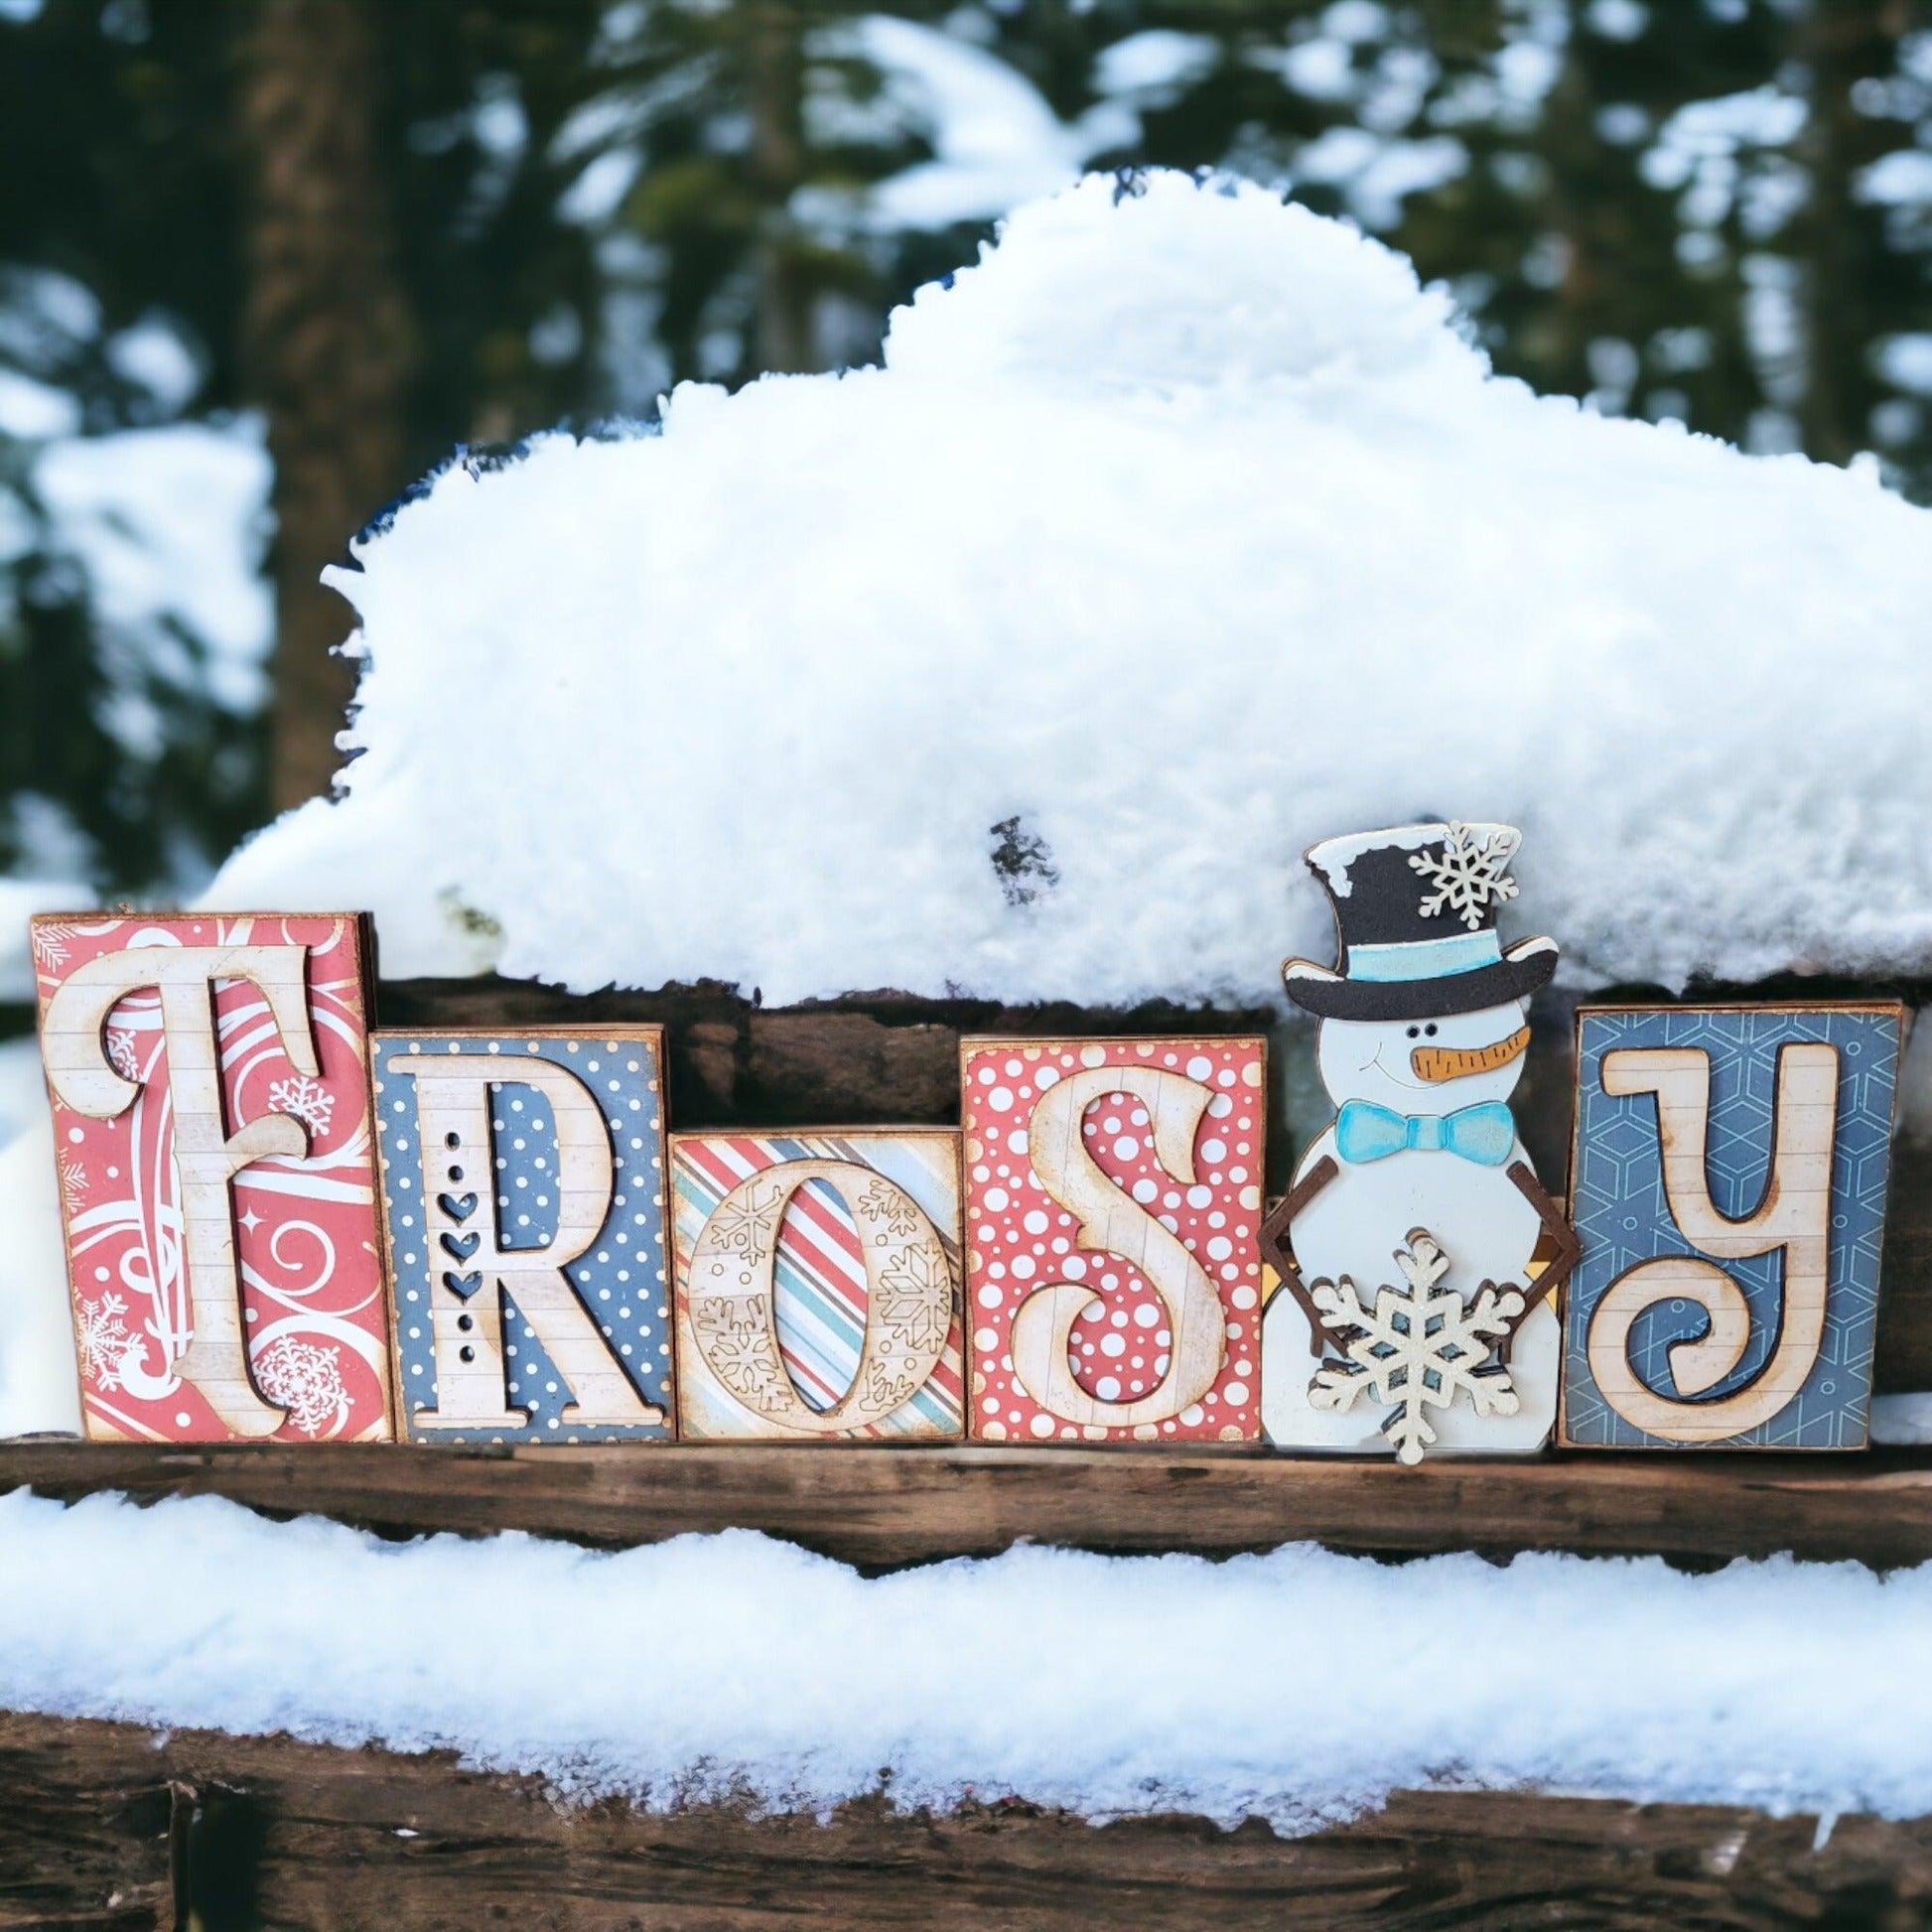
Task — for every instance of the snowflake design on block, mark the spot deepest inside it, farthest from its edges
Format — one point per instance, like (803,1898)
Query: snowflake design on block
(73,1183)
(305,1379)
(104,1341)
(739,1226)
(1472,872)
(122,1053)
(723,1315)
(890,1383)
(1416,1347)
(916,1299)
(51,944)
(738,1359)
(308,1100)
(889,1206)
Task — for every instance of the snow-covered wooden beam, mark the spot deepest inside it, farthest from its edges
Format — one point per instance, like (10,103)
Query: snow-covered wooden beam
(111,1825)
(880,1508)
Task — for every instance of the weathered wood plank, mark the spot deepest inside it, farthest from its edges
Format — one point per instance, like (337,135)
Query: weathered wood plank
(108,1826)
(882,1507)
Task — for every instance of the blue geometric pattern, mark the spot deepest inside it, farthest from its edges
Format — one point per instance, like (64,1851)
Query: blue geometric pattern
(622,1278)
(1618,1207)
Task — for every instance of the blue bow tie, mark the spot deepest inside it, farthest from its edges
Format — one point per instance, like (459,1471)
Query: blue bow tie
(1484,1133)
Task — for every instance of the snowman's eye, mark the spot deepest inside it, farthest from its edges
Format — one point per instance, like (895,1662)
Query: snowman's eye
(1430,1029)
(1414,1030)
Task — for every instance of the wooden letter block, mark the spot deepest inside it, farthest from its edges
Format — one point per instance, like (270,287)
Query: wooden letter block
(523,1188)
(1728,1187)
(818,1286)
(212,1124)
(1113,1203)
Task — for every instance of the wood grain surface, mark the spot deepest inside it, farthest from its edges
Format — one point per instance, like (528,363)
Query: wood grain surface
(109,1828)
(884,1507)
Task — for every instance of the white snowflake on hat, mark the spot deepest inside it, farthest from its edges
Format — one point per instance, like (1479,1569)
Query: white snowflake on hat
(1470,870)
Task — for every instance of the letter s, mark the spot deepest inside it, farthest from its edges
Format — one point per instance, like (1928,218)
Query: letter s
(1111,1222)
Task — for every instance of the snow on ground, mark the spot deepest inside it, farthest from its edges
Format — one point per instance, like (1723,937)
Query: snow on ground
(1188,529)
(1299,1686)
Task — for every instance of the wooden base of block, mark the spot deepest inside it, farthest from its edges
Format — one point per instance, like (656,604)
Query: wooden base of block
(111,1827)
(882,1507)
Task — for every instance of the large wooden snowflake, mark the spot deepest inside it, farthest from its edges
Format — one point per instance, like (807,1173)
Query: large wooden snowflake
(1417,1348)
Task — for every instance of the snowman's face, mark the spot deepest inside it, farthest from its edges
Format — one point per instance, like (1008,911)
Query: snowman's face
(1425,1067)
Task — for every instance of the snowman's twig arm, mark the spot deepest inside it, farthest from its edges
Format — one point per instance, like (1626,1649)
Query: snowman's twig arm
(1563,1237)
(1274,1231)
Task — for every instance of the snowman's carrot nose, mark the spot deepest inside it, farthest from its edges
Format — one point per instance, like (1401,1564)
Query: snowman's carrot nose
(1456,1062)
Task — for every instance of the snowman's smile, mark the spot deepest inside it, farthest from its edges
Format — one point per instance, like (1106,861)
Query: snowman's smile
(1433,1066)
(1375,1063)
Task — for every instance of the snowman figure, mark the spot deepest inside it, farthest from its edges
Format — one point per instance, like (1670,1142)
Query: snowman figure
(1409,1316)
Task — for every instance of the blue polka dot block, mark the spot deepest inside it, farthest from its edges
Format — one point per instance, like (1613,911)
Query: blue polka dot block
(523,1189)
(1728,1185)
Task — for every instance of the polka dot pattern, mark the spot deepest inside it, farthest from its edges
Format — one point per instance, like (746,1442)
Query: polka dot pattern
(622,1278)
(1019,1238)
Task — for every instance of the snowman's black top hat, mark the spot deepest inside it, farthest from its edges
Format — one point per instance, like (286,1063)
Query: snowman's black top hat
(1416,914)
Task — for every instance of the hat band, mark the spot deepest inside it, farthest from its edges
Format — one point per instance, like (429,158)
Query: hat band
(1425,959)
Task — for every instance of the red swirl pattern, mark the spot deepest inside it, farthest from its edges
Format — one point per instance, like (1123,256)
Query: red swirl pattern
(306,1241)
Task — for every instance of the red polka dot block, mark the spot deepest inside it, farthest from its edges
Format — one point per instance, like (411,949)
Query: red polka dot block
(1113,1213)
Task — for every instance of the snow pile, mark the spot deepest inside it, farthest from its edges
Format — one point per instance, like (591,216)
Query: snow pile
(715,1664)
(1186,529)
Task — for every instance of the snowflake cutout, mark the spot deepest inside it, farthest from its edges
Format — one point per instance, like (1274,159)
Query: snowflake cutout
(739,1227)
(723,1315)
(1417,1347)
(308,1100)
(890,1383)
(887,1204)
(105,1343)
(305,1379)
(1472,873)
(737,1358)
(122,1053)
(916,1299)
